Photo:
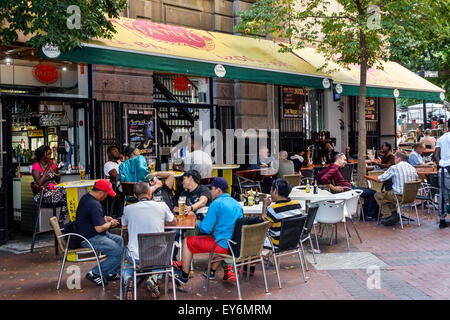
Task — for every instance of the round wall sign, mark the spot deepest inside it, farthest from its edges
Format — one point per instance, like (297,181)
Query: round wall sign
(45,73)
(220,71)
(396,93)
(51,51)
(181,83)
(339,88)
(326,83)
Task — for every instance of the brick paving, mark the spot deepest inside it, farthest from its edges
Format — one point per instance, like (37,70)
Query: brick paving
(418,260)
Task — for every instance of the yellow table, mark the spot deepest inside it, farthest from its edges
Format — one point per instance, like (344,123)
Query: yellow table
(225,170)
(72,193)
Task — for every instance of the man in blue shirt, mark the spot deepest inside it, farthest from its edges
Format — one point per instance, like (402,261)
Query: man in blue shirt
(415,157)
(219,220)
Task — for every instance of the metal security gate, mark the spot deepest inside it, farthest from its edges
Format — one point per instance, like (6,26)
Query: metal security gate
(5,165)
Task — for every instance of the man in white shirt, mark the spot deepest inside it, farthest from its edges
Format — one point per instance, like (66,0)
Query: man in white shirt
(442,156)
(145,216)
(197,159)
(400,173)
(111,168)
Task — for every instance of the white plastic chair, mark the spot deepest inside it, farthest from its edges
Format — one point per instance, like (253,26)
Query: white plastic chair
(332,213)
(351,198)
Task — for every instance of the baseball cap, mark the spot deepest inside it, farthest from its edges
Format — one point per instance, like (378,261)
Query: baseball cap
(219,182)
(129,150)
(105,185)
(194,174)
(149,177)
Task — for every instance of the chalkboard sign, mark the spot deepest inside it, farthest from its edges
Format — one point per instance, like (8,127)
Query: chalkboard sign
(142,130)
(371,109)
(293,101)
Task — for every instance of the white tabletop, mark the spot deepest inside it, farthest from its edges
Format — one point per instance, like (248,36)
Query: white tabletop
(299,193)
(76,184)
(225,166)
(255,209)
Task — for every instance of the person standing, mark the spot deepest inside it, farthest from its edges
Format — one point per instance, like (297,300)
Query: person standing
(92,224)
(135,169)
(442,156)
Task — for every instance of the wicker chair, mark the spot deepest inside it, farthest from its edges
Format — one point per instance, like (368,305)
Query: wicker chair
(377,186)
(155,253)
(293,179)
(410,190)
(291,230)
(252,242)
(73,255)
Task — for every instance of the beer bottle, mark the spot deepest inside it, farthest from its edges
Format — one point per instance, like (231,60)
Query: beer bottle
(251,198)
(245,198)
(307,188)
(257,197)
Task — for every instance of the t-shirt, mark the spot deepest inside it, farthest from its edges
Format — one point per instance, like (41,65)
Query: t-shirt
(286,167)
(200,161)
(110,165)
(89,215)
(166,195)
(221,217)
(37,166)
(276,213)
(415,159)
(444,144)
(145,216)
(194,196)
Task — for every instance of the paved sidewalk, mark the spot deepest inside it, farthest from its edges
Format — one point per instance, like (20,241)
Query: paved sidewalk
(414,264)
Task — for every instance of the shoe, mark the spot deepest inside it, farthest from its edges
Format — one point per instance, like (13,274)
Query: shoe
(252,270)
(179,277)
(212,274)
(177,264)
(95,278)
(129,290)
(392,220)
(442,224)
(113,277)
(228,274)
(152,288)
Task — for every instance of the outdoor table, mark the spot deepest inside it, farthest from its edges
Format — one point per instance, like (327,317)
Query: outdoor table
(72,194)
(428,151)
(252,210)
(187,224)
(225,170)
(299,194)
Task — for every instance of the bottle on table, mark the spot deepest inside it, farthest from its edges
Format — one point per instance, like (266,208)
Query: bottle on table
(315,187)
(251,198)
(245,198)
(307,188)
(257,197)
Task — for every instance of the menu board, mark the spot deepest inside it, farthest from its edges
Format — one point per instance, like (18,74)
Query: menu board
(142,131)
(293,102)
(371,109)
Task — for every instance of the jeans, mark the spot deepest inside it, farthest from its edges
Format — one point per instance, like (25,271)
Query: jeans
(370,206)
(128,267)
(111,245)
(444,189)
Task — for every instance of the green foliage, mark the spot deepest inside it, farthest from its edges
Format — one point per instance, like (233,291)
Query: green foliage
(46,21)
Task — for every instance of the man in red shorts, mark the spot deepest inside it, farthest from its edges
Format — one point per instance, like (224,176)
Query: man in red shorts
(220,219)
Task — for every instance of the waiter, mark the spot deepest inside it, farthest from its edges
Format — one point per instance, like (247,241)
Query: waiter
(442,156)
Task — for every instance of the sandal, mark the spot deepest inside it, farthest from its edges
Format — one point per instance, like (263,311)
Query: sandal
(152,287)
(129,290)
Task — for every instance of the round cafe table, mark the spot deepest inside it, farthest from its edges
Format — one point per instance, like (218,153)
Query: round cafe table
(225,170)
(73,195)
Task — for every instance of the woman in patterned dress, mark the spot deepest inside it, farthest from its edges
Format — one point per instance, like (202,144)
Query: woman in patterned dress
(46,174)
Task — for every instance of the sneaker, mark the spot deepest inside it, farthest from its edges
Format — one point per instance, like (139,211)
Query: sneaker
(392,220)
(228,274)
(212,274)
(152,287)
(129,291)
(177,264)
(113,277)
(179,277)
(95,278)
(442,224)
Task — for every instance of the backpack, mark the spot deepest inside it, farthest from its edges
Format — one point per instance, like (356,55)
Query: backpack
(237,232)
(75,242)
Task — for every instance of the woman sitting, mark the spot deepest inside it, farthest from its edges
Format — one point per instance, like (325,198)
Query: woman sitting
(46,175)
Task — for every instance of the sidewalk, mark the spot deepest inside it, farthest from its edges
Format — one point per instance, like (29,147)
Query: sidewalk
(414,264)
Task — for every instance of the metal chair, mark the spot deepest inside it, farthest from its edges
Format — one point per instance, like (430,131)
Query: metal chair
(206,181)
(155,253)
(252,242)
(291,230)
(347,172)
(306,232)
(428,192)
(37,189)
(410,190)
(293,179)
(63,246)
(332,213)
(249,179)
(307,173)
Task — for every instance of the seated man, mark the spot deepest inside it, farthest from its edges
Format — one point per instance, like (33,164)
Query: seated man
(264,161)
(400,173)
(387,158)
(301,160)
(145,216)
(160,189)
(281,208)
(220,219)
(332,177)
(327,154)
(135,169)
(285,166)
(92,224)
(415,157)
(197,196)
(428,140)
(111,168)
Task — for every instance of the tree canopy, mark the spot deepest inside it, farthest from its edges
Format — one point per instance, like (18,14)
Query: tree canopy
(62,23)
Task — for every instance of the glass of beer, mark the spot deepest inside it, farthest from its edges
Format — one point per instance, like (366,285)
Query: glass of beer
(181,207)
(82,172)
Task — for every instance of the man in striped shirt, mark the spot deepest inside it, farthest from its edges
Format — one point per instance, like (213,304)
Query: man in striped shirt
(400,173)
(281,208)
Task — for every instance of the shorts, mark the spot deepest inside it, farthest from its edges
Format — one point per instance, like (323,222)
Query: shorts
(203,244)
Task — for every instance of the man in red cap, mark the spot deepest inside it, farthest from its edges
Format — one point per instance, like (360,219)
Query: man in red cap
(92,224)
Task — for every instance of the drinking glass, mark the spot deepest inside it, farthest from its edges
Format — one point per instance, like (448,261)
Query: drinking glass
(181,207)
